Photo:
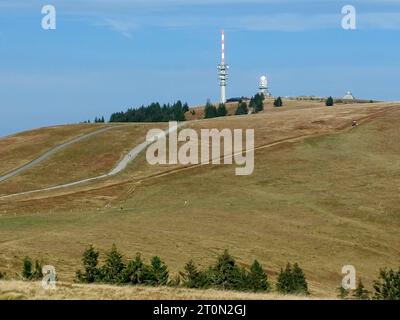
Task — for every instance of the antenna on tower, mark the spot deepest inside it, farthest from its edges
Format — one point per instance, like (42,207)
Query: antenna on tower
(223,68)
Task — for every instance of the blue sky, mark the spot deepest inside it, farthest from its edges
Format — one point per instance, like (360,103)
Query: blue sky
(108,55)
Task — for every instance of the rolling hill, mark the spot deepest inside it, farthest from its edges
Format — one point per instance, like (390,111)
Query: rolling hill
(322,194)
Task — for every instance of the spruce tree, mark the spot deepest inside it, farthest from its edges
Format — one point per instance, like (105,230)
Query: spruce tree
(258,279)
(112,271)
(300,285)
(191,276)
(329,102)
(91,271)
(259,102)
(135,271)
(210,111)
(27,269)
(252,105)
(158,273)
(227,275)
(292,280)
(221,111)
(37,273)
(361,293)
(343,293)
(387,287)
(284,282)
(278,102)
(242,109)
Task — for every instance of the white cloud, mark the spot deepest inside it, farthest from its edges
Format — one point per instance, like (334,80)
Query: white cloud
(124,27)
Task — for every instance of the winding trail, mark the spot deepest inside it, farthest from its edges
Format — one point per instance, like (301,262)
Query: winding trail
(51,152)
(120,166)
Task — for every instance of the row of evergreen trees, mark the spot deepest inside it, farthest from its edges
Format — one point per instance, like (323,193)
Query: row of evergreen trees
(153,113)
(96,120)
(99,120)
(224,274)
(211,111)
(256,105)
(115,271)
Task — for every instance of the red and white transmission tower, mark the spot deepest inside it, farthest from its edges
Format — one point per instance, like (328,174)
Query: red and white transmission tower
(223,69)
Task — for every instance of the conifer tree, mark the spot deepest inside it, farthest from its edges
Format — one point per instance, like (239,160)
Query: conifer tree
(112,271)
(259,102)
(329,102)
(361,293)
(284,282)
(242,109)
(258,279)
(158,273)
(278,102)
(27,269)
(221,111)
(91,271)
(135,271)
(191,276)
(343,293)
(210,111)
(299,280)
(387,287)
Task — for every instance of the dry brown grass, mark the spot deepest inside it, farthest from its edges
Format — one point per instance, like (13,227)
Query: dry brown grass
(92,157)
(324,202)
(24,147)
(11,290)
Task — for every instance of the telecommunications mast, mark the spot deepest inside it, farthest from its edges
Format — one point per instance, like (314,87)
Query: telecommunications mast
(223,69)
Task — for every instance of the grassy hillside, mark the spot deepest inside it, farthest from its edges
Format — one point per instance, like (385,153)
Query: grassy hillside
(21,148)
(324,201)
(92,157)
(16,290)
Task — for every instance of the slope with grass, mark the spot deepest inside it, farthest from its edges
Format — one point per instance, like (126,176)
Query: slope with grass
(325,200)
(24,147)
(17,290)
(92,157)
